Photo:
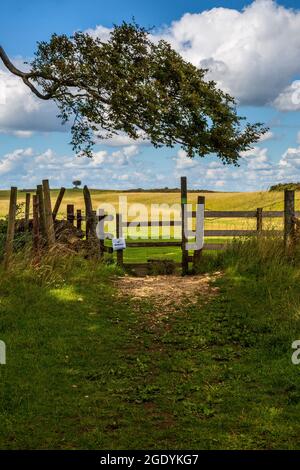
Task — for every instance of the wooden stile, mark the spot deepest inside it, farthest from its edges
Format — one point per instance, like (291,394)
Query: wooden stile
(50,234)
(10,227)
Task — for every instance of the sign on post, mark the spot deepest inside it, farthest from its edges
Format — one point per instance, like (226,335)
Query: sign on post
(118,244)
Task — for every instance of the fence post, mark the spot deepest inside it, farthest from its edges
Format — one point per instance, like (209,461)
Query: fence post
(78,219)
(289,212)
(259,219)
(70,214)
(10,227)
(42,221)
(119,233)
(58,202)
(198,253)
(27,211)
(101,216)
(185,254)
(36,228)
(88,211)
(48,214)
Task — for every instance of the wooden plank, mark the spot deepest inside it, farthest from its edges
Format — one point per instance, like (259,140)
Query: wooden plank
(143,265)
(10,227)
(161,223)
(78,219)
(151,244)
(237,233)
(259,219)
(227,214)
(58,202)
(27,211)
(70,214)
(184,256)
(289,214)
(198,253)
(119,234)
(88,211)
(42,221)
(36,229)
(50,234)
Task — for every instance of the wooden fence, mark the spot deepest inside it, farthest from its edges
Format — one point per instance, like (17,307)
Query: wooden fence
(44,219)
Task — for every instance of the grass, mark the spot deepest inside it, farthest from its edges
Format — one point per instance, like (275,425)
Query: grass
(85,370)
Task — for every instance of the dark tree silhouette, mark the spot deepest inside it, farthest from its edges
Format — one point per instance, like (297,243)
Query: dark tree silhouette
(76,184)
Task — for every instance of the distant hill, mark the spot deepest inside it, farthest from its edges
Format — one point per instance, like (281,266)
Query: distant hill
(283,186)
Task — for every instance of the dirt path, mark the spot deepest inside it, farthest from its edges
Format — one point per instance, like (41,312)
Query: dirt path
(168,294)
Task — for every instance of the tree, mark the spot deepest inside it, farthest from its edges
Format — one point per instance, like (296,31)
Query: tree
(76,184)
(133,85)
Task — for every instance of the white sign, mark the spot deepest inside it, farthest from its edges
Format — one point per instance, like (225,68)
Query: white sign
(118,244)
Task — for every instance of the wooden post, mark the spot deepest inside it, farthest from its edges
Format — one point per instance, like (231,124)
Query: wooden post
(36,228)
(70,214)
(88,211)
(42,221)
(78,219)
(259,219)
(101,216)
(185,254)
(58,202)
(27,210)
(289,212)
(198,253)
(48,214)
(10,227)
(119,233)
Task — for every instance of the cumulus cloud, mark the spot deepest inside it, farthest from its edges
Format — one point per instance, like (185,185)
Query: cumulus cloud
(26,167)
(21,112)
(253,54)
(289,98)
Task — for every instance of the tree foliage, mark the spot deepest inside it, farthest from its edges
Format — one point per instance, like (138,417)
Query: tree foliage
(131,84)
(283,186)
(76,183)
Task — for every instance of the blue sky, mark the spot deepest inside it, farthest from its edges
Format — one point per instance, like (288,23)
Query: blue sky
(252,49)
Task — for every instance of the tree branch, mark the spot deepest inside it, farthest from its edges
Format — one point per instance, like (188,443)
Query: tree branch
(25,76)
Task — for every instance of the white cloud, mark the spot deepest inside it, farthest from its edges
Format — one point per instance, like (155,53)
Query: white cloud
(253,54)
(184,162)
(21,112)
(289,98)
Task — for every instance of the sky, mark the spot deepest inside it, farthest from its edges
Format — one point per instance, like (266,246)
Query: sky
(252,51)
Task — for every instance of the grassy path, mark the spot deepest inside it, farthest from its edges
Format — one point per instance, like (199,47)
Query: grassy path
(89,366)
